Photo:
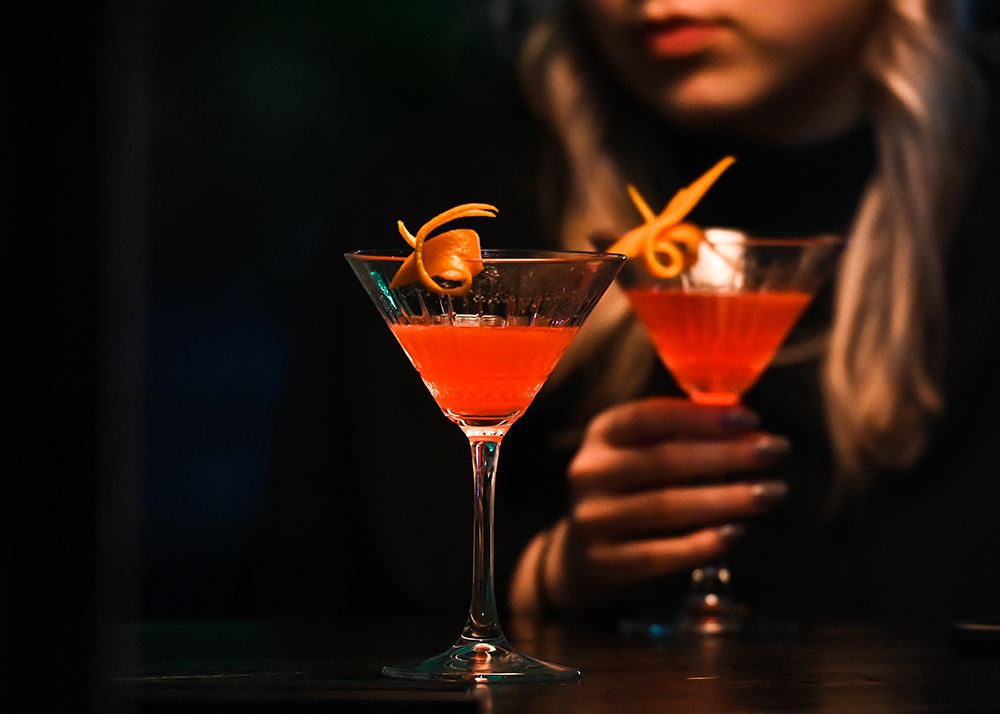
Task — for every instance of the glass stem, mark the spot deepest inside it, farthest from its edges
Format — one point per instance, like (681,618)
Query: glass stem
(483,622)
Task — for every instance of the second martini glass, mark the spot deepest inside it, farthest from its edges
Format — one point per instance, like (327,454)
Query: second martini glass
(716,326)
(484,356)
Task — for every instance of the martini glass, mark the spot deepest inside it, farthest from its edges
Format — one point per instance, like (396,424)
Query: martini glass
(716,326)
(483,357)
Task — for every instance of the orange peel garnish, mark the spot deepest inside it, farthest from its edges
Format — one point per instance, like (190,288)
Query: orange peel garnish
(454,255)
(666,243)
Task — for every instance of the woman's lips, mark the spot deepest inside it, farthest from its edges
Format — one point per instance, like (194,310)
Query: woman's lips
(679,37)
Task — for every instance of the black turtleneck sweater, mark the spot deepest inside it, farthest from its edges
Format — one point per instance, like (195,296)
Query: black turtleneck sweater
(370,498)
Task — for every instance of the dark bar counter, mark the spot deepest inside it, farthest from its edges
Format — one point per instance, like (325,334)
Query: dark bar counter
(260,667)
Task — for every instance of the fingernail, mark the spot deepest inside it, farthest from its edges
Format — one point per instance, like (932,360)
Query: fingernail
(767,493)
(771,447)
(741,420)
(731,533)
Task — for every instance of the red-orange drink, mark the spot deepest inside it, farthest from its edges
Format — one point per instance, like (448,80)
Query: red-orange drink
(716,345)
(483,370)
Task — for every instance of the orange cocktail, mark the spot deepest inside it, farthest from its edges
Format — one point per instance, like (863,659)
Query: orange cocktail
(483,371)
(716,344)
(484,328)
(717,308)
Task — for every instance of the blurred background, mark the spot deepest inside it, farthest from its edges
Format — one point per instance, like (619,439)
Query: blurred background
(257,110)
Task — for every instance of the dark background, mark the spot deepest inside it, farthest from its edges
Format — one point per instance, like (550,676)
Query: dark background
(257,111)
(165,175)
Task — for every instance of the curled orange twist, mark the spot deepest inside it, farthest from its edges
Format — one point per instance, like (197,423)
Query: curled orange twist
(668,245)
(454,255)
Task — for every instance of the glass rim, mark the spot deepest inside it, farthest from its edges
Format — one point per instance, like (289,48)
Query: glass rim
(498,255)
(730,236)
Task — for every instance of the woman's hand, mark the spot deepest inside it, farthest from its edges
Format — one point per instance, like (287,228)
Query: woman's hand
(649,499)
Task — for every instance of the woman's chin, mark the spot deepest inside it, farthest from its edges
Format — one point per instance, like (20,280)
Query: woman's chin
(703,115)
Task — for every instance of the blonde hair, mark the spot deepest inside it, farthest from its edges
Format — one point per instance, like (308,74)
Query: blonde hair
(883,365)
(882,377)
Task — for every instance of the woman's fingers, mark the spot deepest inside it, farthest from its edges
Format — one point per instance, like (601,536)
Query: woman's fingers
(619,565)
(600,467)
(661,440)
(641,505)
(652,420)
(615,518)
(575,574)
(622,564)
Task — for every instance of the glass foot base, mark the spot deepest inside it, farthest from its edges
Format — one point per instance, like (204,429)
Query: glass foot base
(739,623)
(708,609)
(481,662)
(702,615)
(713,615)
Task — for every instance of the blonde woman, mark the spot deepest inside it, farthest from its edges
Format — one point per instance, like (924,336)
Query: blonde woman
(788,76)
(859,479)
